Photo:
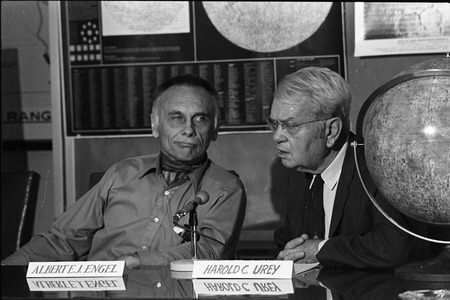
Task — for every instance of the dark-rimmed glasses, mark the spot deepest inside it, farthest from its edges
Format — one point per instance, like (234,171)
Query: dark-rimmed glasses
(290,127)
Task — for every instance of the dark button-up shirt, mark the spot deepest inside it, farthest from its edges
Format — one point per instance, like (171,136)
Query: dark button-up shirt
(131,210)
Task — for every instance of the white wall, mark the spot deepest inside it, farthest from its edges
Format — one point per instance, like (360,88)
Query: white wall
(24,27)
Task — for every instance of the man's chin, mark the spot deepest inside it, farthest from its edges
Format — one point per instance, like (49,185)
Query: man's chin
(287,163)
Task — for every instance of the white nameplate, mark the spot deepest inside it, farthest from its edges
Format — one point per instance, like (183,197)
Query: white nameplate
(76,269)
(242,269)
(242,287)
(77,284)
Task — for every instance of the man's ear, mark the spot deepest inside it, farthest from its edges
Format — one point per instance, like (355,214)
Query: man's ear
(215,135)
(155,128)
(333,131)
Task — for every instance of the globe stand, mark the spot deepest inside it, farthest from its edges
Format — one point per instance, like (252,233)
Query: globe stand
(432,270)
(436,269)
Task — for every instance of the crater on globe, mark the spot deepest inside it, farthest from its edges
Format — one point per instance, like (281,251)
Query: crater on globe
(405,129)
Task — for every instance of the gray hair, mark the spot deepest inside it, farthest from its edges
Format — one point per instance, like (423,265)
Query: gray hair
(188,80)
(328,92)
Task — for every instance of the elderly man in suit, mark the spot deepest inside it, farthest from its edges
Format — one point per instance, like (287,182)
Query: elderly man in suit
(329,217)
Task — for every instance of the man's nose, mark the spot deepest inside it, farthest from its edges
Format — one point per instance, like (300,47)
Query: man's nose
(189,129)
(278,135)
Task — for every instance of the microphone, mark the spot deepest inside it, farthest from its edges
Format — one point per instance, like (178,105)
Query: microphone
(200,198)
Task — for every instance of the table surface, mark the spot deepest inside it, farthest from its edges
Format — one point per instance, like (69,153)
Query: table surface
(159,282)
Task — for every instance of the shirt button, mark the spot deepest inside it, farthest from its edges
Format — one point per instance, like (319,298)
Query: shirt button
(144,247)
(156,220)
(158,285)
(166,193)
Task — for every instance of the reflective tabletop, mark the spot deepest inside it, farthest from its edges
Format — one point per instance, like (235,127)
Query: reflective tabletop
(159,282)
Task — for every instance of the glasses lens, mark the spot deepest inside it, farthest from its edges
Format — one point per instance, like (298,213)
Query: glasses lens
(272,124)
(291,128)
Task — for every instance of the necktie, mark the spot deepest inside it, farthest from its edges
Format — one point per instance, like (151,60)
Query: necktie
(317,211)
(169,176)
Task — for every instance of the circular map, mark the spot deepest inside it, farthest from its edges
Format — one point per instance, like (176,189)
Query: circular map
(407,144)
(267,26)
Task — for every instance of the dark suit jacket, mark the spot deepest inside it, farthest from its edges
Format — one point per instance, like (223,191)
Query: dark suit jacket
(360,236)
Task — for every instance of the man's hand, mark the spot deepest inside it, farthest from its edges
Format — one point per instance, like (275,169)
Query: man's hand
(306,279)
(301,249)
(132,260)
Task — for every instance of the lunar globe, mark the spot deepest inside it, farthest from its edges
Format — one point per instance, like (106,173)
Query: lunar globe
(405,128)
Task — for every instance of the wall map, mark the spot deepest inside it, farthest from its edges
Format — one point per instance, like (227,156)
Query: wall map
(117,52)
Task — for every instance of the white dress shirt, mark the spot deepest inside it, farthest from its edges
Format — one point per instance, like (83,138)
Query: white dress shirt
(330,178)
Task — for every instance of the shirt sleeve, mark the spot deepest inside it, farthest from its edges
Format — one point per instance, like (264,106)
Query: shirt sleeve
(70,236)
(384,246)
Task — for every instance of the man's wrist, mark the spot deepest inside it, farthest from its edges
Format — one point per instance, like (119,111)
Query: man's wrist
(132,260)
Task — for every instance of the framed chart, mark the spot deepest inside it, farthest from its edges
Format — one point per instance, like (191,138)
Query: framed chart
(115,54)
(399,28)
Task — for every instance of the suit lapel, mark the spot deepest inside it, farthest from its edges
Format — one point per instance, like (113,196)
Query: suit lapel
(298,189)
(347,174)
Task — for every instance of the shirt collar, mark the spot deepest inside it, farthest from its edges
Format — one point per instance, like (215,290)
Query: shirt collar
(197,175)
(152,166)
(332,173)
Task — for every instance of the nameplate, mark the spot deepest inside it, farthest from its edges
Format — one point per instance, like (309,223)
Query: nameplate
(77,284)
(76,269)
(242,269)
(209,287)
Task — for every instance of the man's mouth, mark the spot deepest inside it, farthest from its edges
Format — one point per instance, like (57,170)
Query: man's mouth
(281,151)
(186,145)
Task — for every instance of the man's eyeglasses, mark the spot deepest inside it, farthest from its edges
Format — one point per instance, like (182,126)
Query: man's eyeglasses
(290,127)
